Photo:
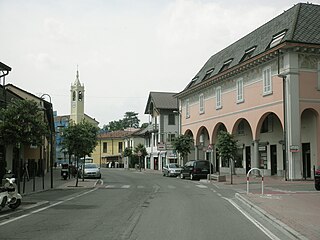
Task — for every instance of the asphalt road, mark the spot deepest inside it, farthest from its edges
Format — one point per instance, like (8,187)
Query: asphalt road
(134,205)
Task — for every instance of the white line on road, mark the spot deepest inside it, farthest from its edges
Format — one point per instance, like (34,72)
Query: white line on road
(171,187)
(110,186)
(126,186)
(47,207)
(255,222)
(201,186)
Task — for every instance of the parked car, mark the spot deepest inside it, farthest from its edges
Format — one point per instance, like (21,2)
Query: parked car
(317,178)
(171,169)
(196,169)
(91,170)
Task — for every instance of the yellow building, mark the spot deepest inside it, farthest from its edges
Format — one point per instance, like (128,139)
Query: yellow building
(110,147)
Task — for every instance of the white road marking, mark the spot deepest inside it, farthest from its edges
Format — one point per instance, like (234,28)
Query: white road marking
(255,222)
(171,187)
(126,186)
(201,186)
(110,186)
(45,208)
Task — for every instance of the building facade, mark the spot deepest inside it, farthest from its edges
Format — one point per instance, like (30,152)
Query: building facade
(109,151)
(265,90)
(162,108)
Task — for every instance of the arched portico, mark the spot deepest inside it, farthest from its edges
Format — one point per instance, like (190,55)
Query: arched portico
(202,142)
(242,132)
(309,141)
(269,145)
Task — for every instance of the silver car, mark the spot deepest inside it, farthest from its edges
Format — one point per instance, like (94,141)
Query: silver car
(171,169)
(91,170)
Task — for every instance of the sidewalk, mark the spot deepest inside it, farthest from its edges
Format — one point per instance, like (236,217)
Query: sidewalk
(43,184)
(294,205)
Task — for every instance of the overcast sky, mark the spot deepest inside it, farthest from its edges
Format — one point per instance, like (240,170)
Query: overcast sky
(124,48)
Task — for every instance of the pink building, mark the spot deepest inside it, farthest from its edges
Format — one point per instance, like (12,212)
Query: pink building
(265,90)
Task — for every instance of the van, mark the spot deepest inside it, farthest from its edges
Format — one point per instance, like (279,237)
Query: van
(196,169)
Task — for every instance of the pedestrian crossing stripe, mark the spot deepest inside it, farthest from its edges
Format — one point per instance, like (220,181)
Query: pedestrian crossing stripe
(125,186)
(141,187)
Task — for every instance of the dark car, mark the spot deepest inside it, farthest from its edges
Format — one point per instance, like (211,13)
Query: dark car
(196,169)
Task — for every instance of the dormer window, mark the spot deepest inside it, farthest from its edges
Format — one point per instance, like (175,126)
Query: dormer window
(226,65)
(193,81)
(208,74)
(276,39)
(248,54)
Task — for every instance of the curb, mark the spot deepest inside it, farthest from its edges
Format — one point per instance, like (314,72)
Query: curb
(259,210)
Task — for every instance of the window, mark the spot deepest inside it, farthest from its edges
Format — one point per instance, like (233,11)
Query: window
(267,125)
(80,96)
(171,137)
(240,128)
(208,74)
(276,39)
(267,84)
(105,147)
(187,109)
(171,119)
(120,147)
(226,65)
(201,103)
(73,96)
(240,90)
(248,54)
(193,81)
(218,98)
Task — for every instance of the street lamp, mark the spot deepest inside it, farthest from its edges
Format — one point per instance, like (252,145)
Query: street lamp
(51,140)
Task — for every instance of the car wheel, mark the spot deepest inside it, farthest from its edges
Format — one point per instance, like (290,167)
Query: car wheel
(181,176)
(317,186)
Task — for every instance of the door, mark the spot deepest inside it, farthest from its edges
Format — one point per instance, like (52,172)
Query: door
(273,154)
(306,160)
(248,158)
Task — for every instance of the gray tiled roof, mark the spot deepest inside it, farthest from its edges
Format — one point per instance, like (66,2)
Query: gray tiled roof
(301,23)
(161,100)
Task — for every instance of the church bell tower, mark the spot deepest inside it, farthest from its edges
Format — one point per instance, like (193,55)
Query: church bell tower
(77,100)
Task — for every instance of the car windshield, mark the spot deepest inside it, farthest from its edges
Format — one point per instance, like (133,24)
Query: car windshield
(173,165)
(90,165)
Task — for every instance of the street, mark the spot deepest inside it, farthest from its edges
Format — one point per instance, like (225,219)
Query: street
(135,205)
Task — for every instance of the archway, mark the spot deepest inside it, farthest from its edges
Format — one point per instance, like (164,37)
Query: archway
(216,159)
(202,143)
(309,141)
(268,146)
(242,132)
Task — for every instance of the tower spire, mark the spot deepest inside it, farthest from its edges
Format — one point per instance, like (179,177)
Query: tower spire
(77,81)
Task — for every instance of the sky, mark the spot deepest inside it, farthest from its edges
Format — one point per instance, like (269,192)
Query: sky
(124,49)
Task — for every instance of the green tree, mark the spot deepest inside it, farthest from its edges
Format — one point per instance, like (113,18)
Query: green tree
(183,144)
(80,139)
(227,148)
(128,153)
(22,124)
(140,152)
(131,120)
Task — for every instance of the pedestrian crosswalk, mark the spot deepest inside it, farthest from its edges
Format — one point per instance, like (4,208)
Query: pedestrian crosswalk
(126,186)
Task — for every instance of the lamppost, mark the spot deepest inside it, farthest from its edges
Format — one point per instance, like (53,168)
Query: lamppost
(51,139)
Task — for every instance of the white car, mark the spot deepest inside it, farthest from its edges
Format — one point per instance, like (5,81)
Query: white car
(171,169)
(91,170)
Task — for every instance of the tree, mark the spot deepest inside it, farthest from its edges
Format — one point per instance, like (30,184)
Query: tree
(183,144)
(80,139)
(22,124)
(131,120)
(227,148)
(140,151)
(128,153)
